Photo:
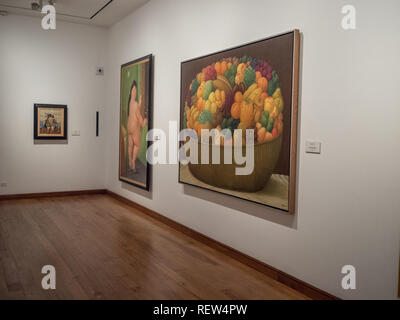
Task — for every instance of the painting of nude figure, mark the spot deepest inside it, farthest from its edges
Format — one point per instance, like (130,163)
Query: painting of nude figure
(135,122)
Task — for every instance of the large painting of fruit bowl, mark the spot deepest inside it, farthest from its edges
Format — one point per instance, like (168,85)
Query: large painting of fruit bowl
(245,96)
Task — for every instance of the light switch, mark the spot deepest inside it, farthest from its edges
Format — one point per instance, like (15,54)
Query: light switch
(76,133)
(313,146)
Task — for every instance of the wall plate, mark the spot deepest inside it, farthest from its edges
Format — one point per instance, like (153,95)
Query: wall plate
(313,146)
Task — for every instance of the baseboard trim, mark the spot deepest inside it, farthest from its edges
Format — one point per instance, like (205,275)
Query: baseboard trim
(52,194)
(280,276)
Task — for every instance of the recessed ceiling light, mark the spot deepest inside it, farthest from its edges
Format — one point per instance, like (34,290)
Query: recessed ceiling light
(37,5)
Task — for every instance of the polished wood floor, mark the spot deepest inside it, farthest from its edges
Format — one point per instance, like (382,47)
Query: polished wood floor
(104,249)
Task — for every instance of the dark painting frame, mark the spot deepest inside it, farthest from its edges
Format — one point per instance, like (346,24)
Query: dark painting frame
(36,131)
(292,144)
(149,101)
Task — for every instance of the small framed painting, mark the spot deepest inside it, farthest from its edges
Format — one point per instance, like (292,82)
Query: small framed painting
(50,122)
(135,121)
(247,96)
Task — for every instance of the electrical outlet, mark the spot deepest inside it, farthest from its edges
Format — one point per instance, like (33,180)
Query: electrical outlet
(3,184)
(76,133)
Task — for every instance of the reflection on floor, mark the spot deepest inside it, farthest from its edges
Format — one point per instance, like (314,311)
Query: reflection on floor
(274,194)
(104,249)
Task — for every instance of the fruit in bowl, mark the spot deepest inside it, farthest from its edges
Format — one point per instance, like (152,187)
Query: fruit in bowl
(237,94)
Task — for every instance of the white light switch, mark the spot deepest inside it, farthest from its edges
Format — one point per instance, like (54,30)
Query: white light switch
(313,146)
(76,133)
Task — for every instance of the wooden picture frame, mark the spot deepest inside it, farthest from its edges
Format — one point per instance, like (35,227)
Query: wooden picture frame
(282,52)
(133,166)
(50,122)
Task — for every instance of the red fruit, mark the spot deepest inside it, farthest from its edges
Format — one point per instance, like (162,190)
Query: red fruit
(229,99)
(274,133)
(210,73)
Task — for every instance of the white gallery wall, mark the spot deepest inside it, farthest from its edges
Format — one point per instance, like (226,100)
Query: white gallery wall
(54,67)
(347,200)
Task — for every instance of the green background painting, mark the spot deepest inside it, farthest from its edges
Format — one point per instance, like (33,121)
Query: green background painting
(129,75)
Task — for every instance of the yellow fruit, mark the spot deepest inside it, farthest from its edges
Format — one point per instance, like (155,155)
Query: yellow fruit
(268,136)
(279,103)
(235,110)
(222,84)
(218,67)
(269,104)
(212,97)
(217,95)
(238,96)
(277,93)
(213,108)
(246,113)
(250,90)
(198,77)
(259,103)
(200,89)
(261,134)
(274,113)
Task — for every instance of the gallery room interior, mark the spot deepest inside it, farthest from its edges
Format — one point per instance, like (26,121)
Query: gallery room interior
(111,113)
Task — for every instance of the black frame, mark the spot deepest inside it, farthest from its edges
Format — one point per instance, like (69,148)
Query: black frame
(35,120)
(149,119)
(295,33)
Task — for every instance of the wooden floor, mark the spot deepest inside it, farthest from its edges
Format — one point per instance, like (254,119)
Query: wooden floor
(104,249)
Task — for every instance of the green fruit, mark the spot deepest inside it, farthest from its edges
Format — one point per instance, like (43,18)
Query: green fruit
(273,84)
(223,125)
(270,125)
(249,76)
(208,88)
(195,86)
(205,116)
(264,118)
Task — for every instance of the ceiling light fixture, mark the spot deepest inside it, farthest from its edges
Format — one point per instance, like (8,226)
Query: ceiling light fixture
(37,5)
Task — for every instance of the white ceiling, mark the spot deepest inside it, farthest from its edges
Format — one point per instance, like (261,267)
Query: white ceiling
(80,11)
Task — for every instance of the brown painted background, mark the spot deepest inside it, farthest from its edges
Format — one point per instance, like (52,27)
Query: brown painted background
(278,52)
